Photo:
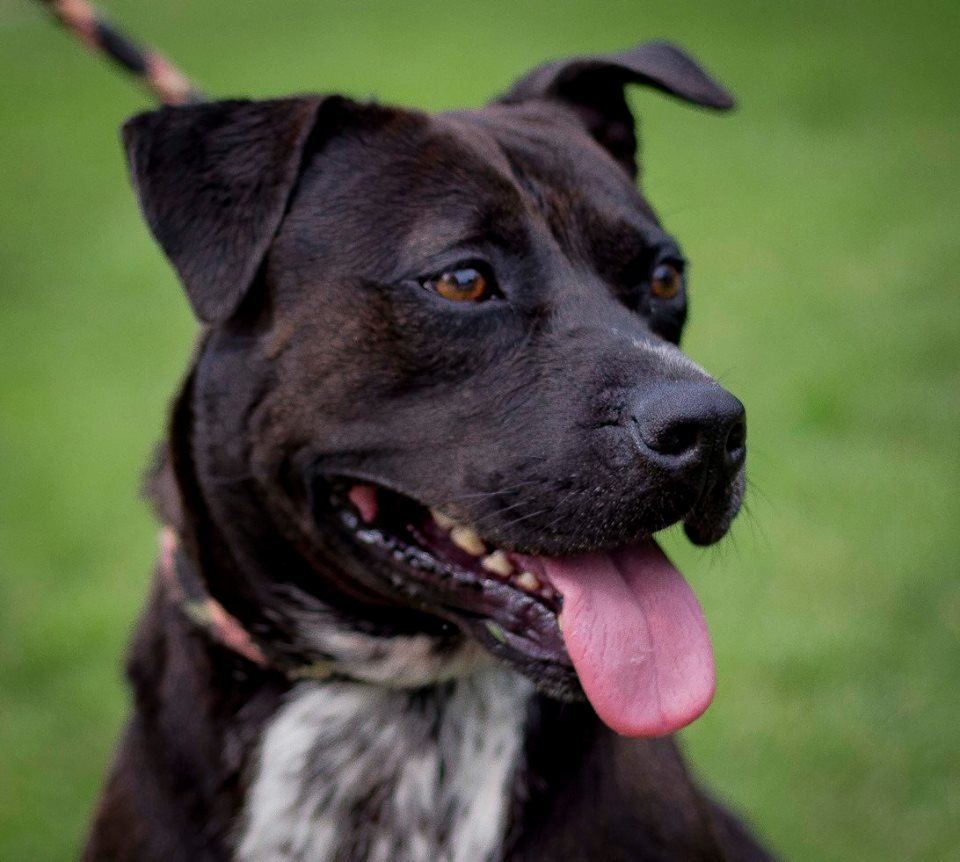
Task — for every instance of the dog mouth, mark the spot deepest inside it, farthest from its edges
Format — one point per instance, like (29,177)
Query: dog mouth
(622,626)
(449,546)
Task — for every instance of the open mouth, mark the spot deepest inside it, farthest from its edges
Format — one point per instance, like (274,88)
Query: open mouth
(450,547)
(621,627)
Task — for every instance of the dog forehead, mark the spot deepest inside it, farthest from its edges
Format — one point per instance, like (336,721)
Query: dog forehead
(401,165)
(545,143)
(433,178)
(566,179)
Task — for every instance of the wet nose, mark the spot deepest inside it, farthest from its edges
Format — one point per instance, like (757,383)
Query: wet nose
(691,427)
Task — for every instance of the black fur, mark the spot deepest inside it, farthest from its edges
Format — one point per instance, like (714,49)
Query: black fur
(304,231)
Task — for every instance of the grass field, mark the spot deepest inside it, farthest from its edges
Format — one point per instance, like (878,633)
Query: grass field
(823,221)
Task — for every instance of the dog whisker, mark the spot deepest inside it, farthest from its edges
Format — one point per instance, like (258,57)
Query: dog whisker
(748,517)
(522,518)
(506,490)
(486,518)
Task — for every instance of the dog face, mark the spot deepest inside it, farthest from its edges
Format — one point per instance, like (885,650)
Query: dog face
(442,358)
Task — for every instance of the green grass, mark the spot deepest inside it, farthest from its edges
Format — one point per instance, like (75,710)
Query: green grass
(822,220)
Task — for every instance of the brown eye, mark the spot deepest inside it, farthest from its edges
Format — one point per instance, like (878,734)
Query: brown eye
(666,282)
(461,285)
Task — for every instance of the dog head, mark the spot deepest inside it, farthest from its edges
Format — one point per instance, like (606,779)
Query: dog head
(439,395)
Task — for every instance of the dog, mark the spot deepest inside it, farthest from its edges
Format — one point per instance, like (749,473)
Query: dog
(408,606)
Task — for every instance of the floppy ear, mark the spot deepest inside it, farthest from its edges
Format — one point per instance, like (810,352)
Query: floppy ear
(593,86)
(214,180)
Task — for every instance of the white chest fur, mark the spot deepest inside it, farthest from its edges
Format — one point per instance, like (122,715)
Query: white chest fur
(349,771)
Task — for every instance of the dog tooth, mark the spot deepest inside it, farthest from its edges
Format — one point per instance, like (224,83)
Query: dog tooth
(467,540)
(441,520)
(560,621)
(498,563)
(528,581)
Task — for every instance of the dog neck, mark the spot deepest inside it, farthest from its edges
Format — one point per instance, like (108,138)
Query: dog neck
(189,592)
(409,749)
(432,766)
(352,770)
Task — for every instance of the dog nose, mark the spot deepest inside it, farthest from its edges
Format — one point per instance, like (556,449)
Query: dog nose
(692,427)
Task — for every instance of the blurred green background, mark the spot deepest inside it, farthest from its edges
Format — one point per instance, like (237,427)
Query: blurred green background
(823,221)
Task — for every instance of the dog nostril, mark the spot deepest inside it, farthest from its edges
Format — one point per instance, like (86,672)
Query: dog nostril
(736,438)
(676,439)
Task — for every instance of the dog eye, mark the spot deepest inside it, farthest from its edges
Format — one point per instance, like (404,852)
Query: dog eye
(666,281)
(467,284)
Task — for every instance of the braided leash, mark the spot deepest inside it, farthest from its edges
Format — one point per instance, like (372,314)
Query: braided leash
(157,73)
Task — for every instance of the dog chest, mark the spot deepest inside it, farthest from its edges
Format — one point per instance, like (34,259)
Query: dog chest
(348,771)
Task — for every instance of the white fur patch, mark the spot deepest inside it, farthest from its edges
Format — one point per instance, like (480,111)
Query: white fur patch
(350,771)
(401,661)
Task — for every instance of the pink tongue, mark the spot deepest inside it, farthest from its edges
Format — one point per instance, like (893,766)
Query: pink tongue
(637,638)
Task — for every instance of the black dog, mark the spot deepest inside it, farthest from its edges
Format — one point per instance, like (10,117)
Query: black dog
(436,412)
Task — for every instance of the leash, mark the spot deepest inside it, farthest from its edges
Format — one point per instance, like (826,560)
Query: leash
(169,85)
(177,571)
(187,589)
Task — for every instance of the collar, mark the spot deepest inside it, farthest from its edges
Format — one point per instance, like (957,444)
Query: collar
(186,587)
